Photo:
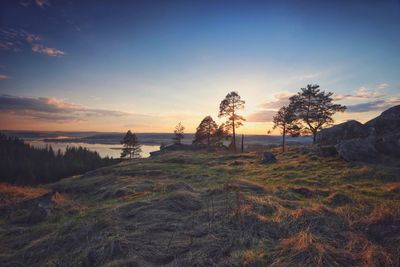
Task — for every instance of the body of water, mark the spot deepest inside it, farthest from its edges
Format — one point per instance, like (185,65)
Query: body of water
(113,150)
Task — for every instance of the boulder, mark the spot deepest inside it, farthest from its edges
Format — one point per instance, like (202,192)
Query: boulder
(343,131)
(386,123)
(268,157)
(387,131)
(326,151)
(389,144)
(359,149)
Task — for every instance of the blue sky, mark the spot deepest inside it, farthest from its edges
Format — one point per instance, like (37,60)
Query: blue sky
(146,65)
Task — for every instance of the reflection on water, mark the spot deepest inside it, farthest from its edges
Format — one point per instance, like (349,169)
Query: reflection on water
(103,150)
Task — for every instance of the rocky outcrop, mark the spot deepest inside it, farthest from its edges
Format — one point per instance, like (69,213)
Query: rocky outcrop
(358,150)
(369,142)
(344,131)
(177,147)
(267,158)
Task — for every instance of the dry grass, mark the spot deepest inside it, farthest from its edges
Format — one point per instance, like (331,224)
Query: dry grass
(187,208)
(11,194)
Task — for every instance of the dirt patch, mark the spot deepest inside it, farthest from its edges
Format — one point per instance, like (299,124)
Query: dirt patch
(339,199)
(305,192)
(179,186)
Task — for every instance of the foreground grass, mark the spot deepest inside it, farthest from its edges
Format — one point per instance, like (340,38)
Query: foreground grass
(188,208)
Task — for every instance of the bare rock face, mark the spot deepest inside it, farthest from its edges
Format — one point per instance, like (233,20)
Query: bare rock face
(387,131)
(388,122)
(326,151)
(268,157)
(344,131)
(365,142)
(359,149)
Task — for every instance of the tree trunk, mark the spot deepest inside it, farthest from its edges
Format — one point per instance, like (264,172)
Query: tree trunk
(283,138)
(314,136)
(234,135)
(242,143)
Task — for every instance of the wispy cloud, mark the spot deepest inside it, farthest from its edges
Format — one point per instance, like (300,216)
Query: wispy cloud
(261,116)
(4,77)
(269,109)
(382,86)
(53,52)
(51,109)
(281,99)
(42,3)
(16,40)
(365,93)
(377,105)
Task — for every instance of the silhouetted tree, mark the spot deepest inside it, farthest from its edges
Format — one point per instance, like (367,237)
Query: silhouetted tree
(179,133)
(314,108)
(229,108)
(131,146)
(206,131)
(286,121)
(220,135)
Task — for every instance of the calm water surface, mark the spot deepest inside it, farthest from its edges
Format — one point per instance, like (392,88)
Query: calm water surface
(103,150)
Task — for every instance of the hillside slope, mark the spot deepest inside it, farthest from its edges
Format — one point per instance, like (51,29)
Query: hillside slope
(188,208)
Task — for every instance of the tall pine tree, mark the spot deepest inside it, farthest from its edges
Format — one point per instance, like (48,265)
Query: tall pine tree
(286,121)
(179,133)
(205,132)
(131,147)
(229,108)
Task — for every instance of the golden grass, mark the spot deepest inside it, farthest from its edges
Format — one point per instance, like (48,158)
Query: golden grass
(11,194)
(196,208)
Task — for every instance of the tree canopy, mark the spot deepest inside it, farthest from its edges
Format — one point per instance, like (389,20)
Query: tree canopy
(131,147)
(229,108)
(286,121)
(314,108)
(179,133)
(21,163)
(205,132)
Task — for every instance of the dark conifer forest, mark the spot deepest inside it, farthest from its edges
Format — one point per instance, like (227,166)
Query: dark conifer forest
(20,163)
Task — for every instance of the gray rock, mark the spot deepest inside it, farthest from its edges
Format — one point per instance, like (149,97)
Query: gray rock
(359,149)
(369,142)
(387,131)
(268,157)
(326,151)
(343,131)
(389,144)
(386,123)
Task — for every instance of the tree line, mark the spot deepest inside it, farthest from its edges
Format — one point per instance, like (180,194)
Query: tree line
(21,163)
(308,112)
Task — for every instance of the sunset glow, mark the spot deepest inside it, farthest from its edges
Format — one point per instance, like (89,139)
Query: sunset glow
(91,66)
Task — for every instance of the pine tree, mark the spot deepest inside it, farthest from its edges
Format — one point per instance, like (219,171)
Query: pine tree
(229,108)
(131,145)
(286,120)
(205,132)
(220,135)
(314,108)
(179,133)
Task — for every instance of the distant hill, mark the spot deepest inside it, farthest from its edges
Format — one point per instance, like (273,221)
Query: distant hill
(144,138)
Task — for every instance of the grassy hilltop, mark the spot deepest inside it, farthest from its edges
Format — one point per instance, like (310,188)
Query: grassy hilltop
(188,208)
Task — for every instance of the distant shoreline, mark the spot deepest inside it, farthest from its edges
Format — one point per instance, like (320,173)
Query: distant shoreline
(113,138)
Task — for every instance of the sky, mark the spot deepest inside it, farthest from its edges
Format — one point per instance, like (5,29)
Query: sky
(147,65)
